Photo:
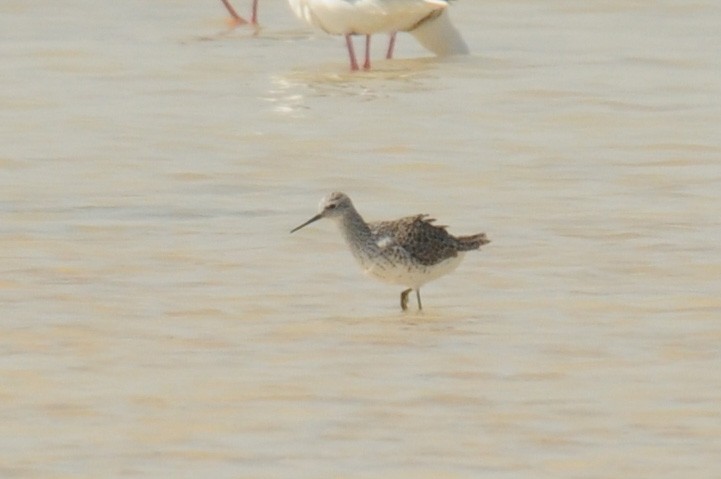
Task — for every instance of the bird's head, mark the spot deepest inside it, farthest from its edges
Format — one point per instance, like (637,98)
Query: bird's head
(333,205)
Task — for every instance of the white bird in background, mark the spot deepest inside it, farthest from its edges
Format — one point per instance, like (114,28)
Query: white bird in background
(238,20)
(427,20)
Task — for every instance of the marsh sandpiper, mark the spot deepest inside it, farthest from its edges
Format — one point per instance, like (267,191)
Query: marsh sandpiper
(410,251)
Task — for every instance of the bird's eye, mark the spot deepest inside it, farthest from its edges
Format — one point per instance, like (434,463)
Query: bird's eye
(331,206)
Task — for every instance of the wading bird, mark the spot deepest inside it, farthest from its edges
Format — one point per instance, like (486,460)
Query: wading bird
(410,251)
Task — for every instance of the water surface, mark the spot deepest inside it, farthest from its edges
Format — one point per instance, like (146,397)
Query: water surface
(159,321)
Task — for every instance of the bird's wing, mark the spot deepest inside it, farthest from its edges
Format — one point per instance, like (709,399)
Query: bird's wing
(416,236)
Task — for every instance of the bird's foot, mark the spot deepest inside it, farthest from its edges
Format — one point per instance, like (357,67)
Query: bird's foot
(404,298)
(234,22)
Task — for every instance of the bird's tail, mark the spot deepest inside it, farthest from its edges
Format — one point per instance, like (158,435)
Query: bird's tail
(440,36)
(470,242)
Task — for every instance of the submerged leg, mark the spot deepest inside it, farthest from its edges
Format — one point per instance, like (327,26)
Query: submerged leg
(404,298)
(391,45)
(418,297)
(351,53)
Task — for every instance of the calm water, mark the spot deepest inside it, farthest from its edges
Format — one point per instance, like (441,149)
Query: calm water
(159,321)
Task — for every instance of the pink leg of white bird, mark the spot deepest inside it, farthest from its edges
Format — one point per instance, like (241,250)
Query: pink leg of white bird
(254,14)
(367,58)
(351,52)
(367,62)
(391,45)
(237,19)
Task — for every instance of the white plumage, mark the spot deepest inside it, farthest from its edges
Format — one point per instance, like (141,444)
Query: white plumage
(365,17)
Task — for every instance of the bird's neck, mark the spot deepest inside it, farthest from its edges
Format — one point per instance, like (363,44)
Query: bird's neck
(356,232)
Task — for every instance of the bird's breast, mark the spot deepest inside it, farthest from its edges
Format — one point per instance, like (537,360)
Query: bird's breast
(402,270)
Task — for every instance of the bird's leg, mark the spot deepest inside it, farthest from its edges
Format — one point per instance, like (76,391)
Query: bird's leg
(391,45)
(418,297)
(351,53)
(237,19)
(254,14)
(367,63)
(404,298)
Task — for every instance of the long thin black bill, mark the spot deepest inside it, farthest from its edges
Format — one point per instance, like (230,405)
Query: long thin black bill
(315,218)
